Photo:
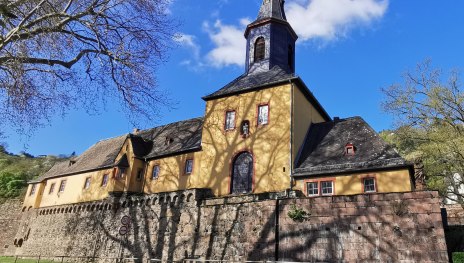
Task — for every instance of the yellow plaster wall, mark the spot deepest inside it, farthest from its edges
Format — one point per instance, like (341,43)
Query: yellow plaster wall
(351,184)
(304,114)
(269,144)
(74,191)
(35,199)
(171,176)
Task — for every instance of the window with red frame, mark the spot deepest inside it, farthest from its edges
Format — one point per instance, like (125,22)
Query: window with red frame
(369,185)
(263,114)
(230,120)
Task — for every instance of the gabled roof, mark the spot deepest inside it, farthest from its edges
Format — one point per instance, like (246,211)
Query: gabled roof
(183,136)
(323,151)
(266,79)
(249,82)
(173,138)
(100,155)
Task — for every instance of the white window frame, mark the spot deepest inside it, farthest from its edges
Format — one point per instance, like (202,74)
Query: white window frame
(317,188)
(261,120)
(230,122)
(322,187)
(374,185)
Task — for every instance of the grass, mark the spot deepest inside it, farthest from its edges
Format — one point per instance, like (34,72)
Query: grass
(12,260)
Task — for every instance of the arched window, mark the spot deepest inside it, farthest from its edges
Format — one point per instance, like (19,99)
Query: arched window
(290,57)
(260,49)
(242,174)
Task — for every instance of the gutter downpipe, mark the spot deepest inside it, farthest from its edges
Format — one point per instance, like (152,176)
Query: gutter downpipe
(145,175)
(291,135)
(276,230)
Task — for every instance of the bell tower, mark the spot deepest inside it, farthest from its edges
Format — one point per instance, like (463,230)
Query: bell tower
(270,40)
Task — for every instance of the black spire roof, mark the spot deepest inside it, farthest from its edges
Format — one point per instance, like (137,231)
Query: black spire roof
(272,9)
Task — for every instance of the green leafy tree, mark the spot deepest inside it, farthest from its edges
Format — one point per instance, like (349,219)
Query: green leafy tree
(429,113)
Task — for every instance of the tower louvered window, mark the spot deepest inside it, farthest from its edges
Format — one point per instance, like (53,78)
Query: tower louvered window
(260,49)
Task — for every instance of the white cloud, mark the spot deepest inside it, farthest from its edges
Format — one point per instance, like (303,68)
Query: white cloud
(330,19)
(189,42)
(327,20)
(229,43)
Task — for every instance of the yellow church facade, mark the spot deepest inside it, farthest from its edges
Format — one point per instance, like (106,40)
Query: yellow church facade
(263,132)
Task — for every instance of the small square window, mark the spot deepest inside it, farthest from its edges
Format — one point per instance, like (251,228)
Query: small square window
(87,183)
(312,189)
(156,171)
(189,166)
(33,189)
(369,185)
(104,180)
(263,114)
(62,186)
(52,188)
(327,188)
(230,120)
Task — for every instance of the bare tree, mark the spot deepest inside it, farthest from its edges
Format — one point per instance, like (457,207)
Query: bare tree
(429,111)
(57,54)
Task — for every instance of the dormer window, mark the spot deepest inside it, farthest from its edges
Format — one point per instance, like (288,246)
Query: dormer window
(168,140)
(350,149)
(72,162)
(260,49)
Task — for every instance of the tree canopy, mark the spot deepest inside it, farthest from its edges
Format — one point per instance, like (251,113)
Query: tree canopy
(429,111)
(67,53)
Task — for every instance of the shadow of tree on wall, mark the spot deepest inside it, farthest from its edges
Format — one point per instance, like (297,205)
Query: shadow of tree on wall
(171,227)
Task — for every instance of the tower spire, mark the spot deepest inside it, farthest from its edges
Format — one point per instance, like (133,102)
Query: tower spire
(270,40)
(272,9)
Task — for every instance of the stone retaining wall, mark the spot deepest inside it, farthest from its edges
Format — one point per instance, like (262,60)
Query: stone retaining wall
(364,228)
(10,214)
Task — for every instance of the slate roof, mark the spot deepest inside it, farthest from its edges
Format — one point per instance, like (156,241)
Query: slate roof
(183,136)
(100,155)
(249,82)
(324,149)
(272,9)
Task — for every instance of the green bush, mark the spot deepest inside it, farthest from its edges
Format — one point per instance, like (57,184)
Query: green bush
(11,184)
(458,257)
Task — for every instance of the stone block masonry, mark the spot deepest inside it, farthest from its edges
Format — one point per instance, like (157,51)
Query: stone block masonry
(173,226)
(10,214)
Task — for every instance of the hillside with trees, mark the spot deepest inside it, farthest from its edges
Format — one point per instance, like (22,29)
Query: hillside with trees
(16,170)
(429,111)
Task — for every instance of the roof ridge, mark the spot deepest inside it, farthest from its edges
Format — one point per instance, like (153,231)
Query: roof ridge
(167,124)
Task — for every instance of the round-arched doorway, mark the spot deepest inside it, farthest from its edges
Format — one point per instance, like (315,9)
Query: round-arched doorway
(242,174)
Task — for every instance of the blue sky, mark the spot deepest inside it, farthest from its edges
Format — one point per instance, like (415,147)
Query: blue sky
(348,50)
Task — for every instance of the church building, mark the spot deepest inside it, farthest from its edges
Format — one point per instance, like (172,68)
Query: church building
(264,132)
